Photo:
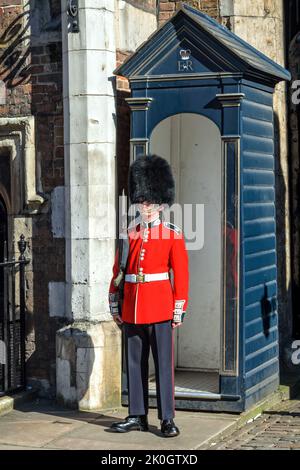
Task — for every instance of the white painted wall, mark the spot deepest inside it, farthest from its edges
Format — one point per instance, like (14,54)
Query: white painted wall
(133,25)
(192,144)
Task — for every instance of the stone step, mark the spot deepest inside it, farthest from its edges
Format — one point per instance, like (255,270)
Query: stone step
(9,402)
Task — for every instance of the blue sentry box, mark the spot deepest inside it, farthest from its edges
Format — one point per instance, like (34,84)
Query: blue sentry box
(192,64)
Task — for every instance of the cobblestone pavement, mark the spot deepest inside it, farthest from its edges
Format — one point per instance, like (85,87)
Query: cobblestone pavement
(277,428)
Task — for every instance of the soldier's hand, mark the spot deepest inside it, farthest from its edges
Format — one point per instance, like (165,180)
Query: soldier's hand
(175,324)
(118,319)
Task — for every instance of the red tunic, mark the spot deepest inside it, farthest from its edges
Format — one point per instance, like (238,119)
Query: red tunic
(153,249)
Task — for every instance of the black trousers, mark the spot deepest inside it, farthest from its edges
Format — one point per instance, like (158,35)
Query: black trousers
(138,340)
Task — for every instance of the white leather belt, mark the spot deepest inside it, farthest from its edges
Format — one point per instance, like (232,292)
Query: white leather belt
(146,277)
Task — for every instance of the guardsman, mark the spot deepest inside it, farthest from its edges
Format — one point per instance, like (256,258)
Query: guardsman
(153,304)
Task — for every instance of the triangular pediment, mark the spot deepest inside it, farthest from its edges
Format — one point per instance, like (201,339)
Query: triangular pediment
(185,52)
(190,43)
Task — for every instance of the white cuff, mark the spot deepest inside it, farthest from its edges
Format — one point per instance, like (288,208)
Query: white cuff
(178,313)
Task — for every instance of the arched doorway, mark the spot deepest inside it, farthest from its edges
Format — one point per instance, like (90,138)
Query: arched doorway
(192,144)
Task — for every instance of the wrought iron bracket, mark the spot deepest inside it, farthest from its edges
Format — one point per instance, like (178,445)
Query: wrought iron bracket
(73,16)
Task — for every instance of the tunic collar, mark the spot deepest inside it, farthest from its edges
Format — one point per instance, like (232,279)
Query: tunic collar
(154,222)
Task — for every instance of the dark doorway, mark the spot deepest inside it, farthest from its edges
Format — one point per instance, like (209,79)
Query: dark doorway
(292,52)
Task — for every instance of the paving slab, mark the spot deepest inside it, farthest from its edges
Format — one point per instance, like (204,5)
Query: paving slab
(44,425)
(27,433)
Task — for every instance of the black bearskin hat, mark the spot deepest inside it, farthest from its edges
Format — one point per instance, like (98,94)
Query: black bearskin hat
(151,179)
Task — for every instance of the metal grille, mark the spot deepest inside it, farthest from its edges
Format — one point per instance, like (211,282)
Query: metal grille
(12,322)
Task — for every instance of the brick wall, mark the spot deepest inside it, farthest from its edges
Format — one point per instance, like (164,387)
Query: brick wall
(166,8)
(46,79)
(48,253)
(13,71)
(32,74)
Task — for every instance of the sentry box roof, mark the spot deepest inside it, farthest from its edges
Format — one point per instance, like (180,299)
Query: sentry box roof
(213,47)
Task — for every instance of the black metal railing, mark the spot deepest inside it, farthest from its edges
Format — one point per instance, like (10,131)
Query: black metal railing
(12,321)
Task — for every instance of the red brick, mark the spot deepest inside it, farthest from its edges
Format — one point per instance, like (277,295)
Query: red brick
(4,3)
(59,152)
(37,98)
(51,88)
(167,6)
(165,15)
(49,77)
(35,69)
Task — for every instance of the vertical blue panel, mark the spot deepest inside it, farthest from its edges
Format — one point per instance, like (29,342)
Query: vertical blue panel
(258,233)
(230,324)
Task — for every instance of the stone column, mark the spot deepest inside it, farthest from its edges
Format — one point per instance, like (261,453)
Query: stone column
(89,349)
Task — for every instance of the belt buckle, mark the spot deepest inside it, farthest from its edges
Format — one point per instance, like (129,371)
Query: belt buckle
(140,277)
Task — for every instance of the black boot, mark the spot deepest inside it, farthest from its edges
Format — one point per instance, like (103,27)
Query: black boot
(139,423)
(168,428)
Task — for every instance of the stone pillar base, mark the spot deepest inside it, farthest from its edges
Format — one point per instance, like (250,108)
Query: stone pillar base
(88,365)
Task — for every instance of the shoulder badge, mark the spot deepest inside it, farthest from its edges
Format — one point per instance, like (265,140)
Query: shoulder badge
(173,227)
